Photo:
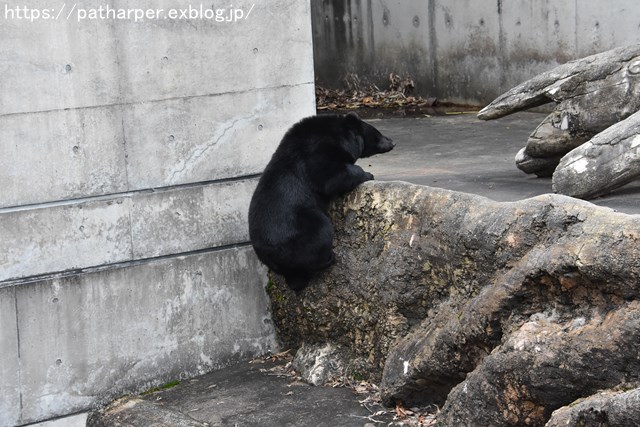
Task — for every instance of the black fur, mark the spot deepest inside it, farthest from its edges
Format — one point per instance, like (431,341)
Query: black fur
(289,222)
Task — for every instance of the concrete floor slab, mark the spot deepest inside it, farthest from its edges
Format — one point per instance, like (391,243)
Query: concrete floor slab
(259,393)
(461,153)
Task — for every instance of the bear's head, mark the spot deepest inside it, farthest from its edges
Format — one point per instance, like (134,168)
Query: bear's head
(371,141)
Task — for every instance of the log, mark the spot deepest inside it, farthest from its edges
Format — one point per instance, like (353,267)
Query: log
(503,312)
(541,166)
(591,94)
(608,161)
(595,91)
(556,135)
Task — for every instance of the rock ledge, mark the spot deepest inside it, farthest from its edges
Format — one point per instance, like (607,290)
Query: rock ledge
(501,312)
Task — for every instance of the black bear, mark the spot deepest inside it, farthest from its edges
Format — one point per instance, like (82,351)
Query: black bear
(289,224)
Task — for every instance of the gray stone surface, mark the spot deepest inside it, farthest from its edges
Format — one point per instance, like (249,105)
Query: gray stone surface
(94,336)
(192,218)
(61,154)
(320,364)
(64,237)
(179,141)
(247,394)
(10,400)
(606,162)
(138,412)
(77,420)
(70,154)
(608,408)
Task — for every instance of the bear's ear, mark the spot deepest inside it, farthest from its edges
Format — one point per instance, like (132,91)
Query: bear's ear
(353,115)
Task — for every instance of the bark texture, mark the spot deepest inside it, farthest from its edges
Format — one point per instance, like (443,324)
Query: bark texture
(609,160)
(503,312)
(591,94)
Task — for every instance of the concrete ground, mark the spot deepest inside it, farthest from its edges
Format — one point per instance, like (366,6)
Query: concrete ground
(457,152)
(461,153)
(261,393)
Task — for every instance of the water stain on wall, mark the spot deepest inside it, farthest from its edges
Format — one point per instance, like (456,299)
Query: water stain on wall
(461,51)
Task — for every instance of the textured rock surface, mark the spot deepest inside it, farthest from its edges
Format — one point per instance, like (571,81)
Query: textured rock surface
(592,93)
(321,363)
(603,409)
(503,312)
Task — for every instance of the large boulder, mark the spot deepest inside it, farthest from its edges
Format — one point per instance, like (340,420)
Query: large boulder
(501,312)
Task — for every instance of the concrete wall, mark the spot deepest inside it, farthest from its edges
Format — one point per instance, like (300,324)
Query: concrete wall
(463,51)
(129,151)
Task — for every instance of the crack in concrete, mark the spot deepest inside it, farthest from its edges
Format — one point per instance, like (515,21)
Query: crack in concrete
(199,151)
(20,392)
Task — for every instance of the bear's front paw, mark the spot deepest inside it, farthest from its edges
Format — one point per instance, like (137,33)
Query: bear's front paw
(368,176)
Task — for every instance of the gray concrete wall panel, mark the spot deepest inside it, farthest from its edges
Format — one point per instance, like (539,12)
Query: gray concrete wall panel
(134,226)
(89,337)
(463,51)
(10,401)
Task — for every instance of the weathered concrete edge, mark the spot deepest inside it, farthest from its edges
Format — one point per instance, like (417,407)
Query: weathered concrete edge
(126,227)
(171,318)
(77,420)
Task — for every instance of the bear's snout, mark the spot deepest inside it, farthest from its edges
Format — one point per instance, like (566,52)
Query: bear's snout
(386,144)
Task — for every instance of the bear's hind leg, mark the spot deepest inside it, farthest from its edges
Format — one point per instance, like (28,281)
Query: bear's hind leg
(298,281)
(312,249)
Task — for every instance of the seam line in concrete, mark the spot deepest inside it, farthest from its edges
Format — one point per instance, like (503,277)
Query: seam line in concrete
(126,194)
(117,265)
(15,301)
(154,101)
(126,174)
